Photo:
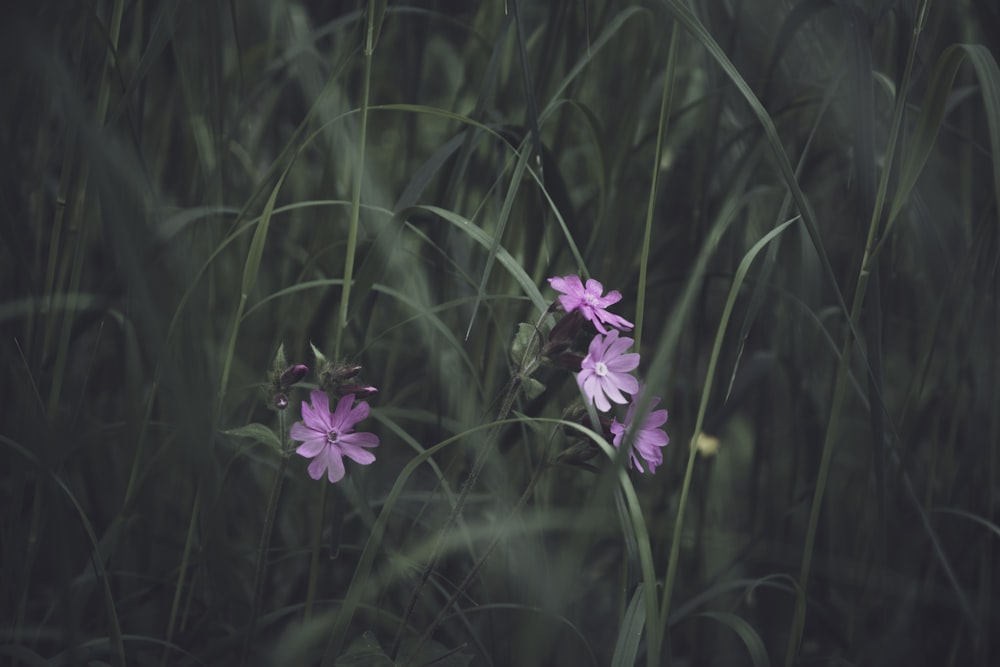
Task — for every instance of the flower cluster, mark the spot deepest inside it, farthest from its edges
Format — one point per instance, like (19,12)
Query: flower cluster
(605,373)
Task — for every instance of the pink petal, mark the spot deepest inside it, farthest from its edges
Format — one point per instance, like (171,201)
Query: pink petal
(627,383)
(610,388)
(594,287)
(358,455)
(340,420)
(612,297)
(312,447)
(617,347)
(302,433)
(656,419)
(329,460)
(359,412)
(623,364)
(317,467)
(359,440)
(595,391)
(558,284)
(318,415)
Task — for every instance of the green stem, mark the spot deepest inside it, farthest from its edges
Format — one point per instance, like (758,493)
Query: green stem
(175,605)
(665,104)
(526,366)
(345,294)
(477,567)
(352,232)
(265,539)
(317,533)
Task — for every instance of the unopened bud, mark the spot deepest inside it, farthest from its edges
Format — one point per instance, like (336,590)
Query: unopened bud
(332,376)
(359,390)
(569,360)
(566,328)
(293,375)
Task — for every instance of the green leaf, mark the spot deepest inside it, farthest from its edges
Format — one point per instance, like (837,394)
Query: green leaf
(630,632)
(252,265)
(280,361)
(364,651)
(320,357)
(533,388)
(257,432)
(932,113)
(524,338)
(752,640)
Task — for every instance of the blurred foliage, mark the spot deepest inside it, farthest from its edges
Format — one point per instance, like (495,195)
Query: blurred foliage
(152,149)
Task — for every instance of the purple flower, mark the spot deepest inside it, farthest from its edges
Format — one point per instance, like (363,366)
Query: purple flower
(648,437)
(589,301)
(327,437)
(604,373)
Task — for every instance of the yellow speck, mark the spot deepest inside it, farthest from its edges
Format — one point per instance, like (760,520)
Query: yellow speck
(708,445)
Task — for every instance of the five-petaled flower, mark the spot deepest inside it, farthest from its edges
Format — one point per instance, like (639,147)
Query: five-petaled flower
(590,301)
(327,437)
(604,372)
(647,437)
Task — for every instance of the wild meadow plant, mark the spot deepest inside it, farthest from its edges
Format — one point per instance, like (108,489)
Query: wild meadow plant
(347,333)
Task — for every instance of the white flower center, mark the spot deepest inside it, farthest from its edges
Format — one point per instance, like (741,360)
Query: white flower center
(601,369)
(591,300)
(331,437)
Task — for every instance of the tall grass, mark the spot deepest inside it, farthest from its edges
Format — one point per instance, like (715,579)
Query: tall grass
(798,201)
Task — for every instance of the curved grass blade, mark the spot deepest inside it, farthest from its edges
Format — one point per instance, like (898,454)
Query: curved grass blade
(630,632)
(752,640)
(932,113)
(117,647)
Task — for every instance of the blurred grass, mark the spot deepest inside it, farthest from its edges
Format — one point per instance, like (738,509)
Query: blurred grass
(182,193)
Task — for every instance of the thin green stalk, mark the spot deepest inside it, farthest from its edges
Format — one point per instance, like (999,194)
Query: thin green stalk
(251,267)
(265,538)
(675,545)
(352,232)
(79,204)
(478,566)
(665,104)
(842,381)
(523,371)
(345,294)
(178,591)
(74,267)
(317,533)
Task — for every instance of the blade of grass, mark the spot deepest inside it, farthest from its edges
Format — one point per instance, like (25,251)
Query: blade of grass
(114,626)
(738,278)
(841,380)
(630,632)
(752,640)
(661,130)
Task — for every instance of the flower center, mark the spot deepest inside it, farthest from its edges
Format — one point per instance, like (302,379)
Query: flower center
(601,369)
(591,300)
(331,437)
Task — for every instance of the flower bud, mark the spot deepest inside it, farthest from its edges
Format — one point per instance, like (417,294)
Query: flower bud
(280,401)
(332,376)
(566,328)
(293,375)
(359,390)
(569,360)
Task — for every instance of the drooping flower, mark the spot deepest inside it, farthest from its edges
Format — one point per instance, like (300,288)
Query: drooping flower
(590,301)
(604,372)
(648,438)
(327,437)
